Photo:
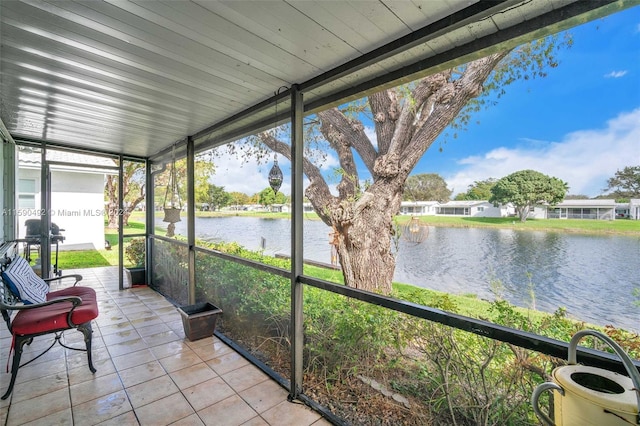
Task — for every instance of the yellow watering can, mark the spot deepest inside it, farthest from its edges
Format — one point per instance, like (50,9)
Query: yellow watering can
(591,396)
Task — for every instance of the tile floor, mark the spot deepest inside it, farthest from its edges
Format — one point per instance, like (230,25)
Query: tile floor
(148,373)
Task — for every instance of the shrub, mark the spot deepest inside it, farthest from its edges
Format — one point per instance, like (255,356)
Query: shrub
(135,252)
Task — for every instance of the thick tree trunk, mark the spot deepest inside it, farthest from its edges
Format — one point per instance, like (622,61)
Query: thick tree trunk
(364,241)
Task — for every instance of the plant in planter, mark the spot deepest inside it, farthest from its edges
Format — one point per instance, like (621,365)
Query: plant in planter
(135,253)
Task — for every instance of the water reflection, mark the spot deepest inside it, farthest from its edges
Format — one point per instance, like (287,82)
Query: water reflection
(592,276)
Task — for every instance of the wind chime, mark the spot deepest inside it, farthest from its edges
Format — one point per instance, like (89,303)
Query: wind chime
(172,202)
(275,174)
(414,231)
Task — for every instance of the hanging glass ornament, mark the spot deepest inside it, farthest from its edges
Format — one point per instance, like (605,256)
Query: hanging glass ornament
(275,175)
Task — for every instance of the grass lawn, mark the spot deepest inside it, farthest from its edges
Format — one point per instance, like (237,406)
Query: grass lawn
(619,226)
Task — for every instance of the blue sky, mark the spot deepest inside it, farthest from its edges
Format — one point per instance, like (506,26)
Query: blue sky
(581,123)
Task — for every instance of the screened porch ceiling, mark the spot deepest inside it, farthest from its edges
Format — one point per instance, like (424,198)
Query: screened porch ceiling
(134,77)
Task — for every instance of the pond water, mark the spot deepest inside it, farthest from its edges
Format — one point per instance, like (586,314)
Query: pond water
(592,276)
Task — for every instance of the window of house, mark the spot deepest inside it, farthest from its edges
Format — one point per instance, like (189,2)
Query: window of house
(26,193)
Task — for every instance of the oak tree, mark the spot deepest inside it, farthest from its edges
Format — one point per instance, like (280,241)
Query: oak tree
(407,121)
(526,189)
(426,187)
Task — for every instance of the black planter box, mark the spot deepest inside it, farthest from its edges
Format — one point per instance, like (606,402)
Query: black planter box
(138,275)
(199,320)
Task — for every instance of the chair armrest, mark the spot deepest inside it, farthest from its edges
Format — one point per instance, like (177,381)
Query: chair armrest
(77,278)
(75,300)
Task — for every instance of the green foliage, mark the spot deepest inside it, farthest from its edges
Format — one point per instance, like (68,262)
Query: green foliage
(625,184)
(527,188)
(266,197)
(426,187)
(216,197)
(135,252)
(479,190)
(239,198)
(459,377)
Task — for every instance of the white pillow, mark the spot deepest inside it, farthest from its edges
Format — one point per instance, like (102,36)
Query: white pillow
(31,288)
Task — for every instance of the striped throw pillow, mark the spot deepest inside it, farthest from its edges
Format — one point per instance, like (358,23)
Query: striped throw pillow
(23,281)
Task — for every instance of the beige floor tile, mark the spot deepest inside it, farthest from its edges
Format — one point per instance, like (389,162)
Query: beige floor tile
(96,388)
(133,359)
(171,348)
(37,371)
(4,410)
(146,322)
(80,374)
(244,377)
(136,310)
(264,396)
(101,409)
(193,375)
(256,421)
(152,329)
(120,336)
(208,393)
(37,387)
(165,411)
(290,414)
(192,420)
(150,391)
(30,352)
(232,411)
(200,342)
(126,419)
(116,328)
(212,349)
(167,313)
(322,422)
(77,359)
(141,312)
(228,362)
(38,407)
(141,373)
(182,359)
(60,418)
(161,338)
(127,347)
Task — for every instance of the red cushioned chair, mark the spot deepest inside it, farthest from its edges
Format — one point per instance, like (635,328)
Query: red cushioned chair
(70,308)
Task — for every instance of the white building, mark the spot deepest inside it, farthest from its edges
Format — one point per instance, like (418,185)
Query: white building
(419,208)
(601,209)
(77,198)
(474,208)
(634,208)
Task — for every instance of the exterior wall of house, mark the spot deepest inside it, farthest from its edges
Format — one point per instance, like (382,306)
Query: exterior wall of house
(470,208)
(583,209)
(418,208)
(634,208)
(77,205)
(538,212)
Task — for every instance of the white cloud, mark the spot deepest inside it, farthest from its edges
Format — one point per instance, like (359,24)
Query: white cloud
(235,175)
(370,131)
(616,74)
(585,159)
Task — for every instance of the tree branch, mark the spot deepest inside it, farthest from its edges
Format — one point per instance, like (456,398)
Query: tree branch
(321,198)
(386,111)
(348,132)
(449,100)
